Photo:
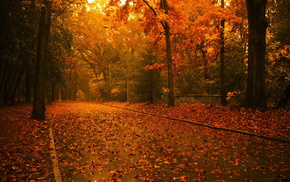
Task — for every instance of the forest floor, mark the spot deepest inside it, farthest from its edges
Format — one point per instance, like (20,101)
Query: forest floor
(95,142)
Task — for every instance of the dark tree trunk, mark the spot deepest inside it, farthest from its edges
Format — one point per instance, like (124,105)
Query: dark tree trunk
(59,93)
(223,90)
(52,93)
(171,101)
(27,87)
(17,86)
(256,86)
(38,111)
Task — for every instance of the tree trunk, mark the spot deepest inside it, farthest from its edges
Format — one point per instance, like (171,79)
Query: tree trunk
(52,93)
(70,85)
(151,86)
(17,86)
(256,86)
(127,82)
(171,101)
(223,90)
(27,87)
(59,93)
(75,84)
(38,111)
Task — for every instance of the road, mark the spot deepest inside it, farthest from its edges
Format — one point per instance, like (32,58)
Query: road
(94,142)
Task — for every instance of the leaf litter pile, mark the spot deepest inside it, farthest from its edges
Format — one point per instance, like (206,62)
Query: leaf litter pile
(100,143)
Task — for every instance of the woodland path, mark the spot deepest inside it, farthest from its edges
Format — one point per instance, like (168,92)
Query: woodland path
(94,142)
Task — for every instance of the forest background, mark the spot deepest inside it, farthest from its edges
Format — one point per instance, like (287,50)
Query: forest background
(118,51)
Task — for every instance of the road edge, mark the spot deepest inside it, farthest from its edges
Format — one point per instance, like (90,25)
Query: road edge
(54,159)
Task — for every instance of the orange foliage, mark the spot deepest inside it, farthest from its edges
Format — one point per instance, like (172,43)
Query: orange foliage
(195,27)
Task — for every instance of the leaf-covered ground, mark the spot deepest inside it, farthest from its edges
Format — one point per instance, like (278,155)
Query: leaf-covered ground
(100,143)
(24,146)
(272,123)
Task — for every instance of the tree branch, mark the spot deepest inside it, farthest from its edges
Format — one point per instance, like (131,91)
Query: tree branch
(162,22)
(91,64)
(150,7)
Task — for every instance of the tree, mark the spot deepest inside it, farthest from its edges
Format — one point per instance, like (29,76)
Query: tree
(256,86)
(17,49)
(148,80)
(38,111)
(165,25)
(222,61)
(279,52)
(164,6)
(158,14)
(50,10)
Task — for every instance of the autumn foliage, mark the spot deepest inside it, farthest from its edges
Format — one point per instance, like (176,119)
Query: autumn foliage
(97,48)
(150,51)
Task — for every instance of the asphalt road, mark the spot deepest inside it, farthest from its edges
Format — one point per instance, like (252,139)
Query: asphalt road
(94,142)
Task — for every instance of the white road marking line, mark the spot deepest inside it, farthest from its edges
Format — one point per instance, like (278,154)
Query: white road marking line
(54,159)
